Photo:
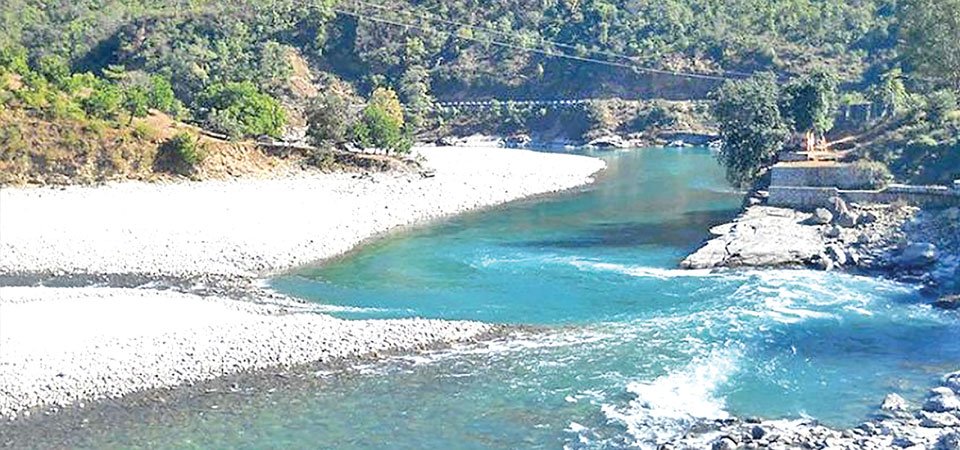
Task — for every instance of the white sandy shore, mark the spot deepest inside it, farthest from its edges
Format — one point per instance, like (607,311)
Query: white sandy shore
(255,227)
(60,346)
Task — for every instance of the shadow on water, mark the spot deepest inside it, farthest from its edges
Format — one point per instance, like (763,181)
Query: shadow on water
(685,232)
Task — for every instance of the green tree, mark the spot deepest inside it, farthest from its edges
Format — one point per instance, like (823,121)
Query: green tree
(381,124)
(160,95)
(136,101)
(930,39)
(751,127)
(891,93)
(810,103)
(328,119)
(103,102)
(240,109)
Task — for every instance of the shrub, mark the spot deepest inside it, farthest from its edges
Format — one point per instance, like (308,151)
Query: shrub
(240,109)
(180,154)
(381,124)
(875,174)
(144,131)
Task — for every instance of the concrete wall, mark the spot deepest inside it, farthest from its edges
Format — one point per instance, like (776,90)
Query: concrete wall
(843,176)
(807,198)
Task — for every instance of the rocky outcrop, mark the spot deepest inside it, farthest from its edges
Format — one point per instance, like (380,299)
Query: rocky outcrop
(762,236)
(896,425)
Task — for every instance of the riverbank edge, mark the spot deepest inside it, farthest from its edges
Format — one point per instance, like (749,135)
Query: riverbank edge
(254,288)
(894,243)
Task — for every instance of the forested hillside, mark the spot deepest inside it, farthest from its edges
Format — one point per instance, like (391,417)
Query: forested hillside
(232,64)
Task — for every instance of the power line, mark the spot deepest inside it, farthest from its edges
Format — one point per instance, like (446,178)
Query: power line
(540,38)
(534,50)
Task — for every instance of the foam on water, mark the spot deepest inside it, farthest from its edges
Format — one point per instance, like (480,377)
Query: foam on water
(669,405)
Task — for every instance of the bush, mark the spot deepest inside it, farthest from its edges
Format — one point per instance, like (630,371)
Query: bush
(240,109)
(381,124)
(180,154)
(875,174)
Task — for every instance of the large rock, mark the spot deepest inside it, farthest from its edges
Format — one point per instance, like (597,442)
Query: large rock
(949,302)
(837,206)
(847,219)
(952,381)
(836,253)
(609,141)
(917,255)
(763,236)
(894,404)
(942,399)
(949,441)
(821,216)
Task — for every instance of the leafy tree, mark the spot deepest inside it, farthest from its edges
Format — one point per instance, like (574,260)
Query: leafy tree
(930,39)
(103,102)
(891,93)
(13,58)
(810,103)
(751,127)
(241,110)
(328,119)
(160,95)
(54,68)
(381,123)
(136,101)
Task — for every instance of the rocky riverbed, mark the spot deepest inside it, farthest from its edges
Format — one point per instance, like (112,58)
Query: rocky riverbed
(898,241)
(933,425)
(110,290)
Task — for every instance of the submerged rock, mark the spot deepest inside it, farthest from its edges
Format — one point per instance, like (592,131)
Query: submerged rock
(917,255)
(949,302)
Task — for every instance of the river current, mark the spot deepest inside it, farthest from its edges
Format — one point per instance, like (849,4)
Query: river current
(626,350)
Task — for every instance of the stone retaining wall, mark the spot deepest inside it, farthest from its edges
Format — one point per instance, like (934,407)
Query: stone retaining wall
(807,198)
(843,176)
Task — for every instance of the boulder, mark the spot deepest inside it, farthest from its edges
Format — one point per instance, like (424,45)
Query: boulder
(952,381)
(847,219)
(821,216)
(942,399)
(917,255)
(757,432)
(609,141)
(950,302)
(938,420)
(724,443)
(832,232)
(836,253)
(869,217)
(894,403)
(949,441)
(837,206)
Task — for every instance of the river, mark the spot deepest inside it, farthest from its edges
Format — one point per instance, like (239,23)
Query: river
(626,350)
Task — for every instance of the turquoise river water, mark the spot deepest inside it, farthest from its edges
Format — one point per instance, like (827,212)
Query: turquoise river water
(632,349)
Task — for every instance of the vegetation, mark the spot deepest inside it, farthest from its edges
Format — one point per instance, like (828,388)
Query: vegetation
(239,109)
(180,154)
(227,66)
(751,126)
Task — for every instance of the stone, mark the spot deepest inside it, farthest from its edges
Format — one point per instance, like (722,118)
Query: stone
(949,302)
(949,441)
(837,206)
(942,399)
(609,141)
(832,232)
(757,432)
(821,216)
(917,255)
(869,217)
(894,403)
(754,201)
(836,253)
(938,420)
(952,381)
(724,443)
(847,219)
